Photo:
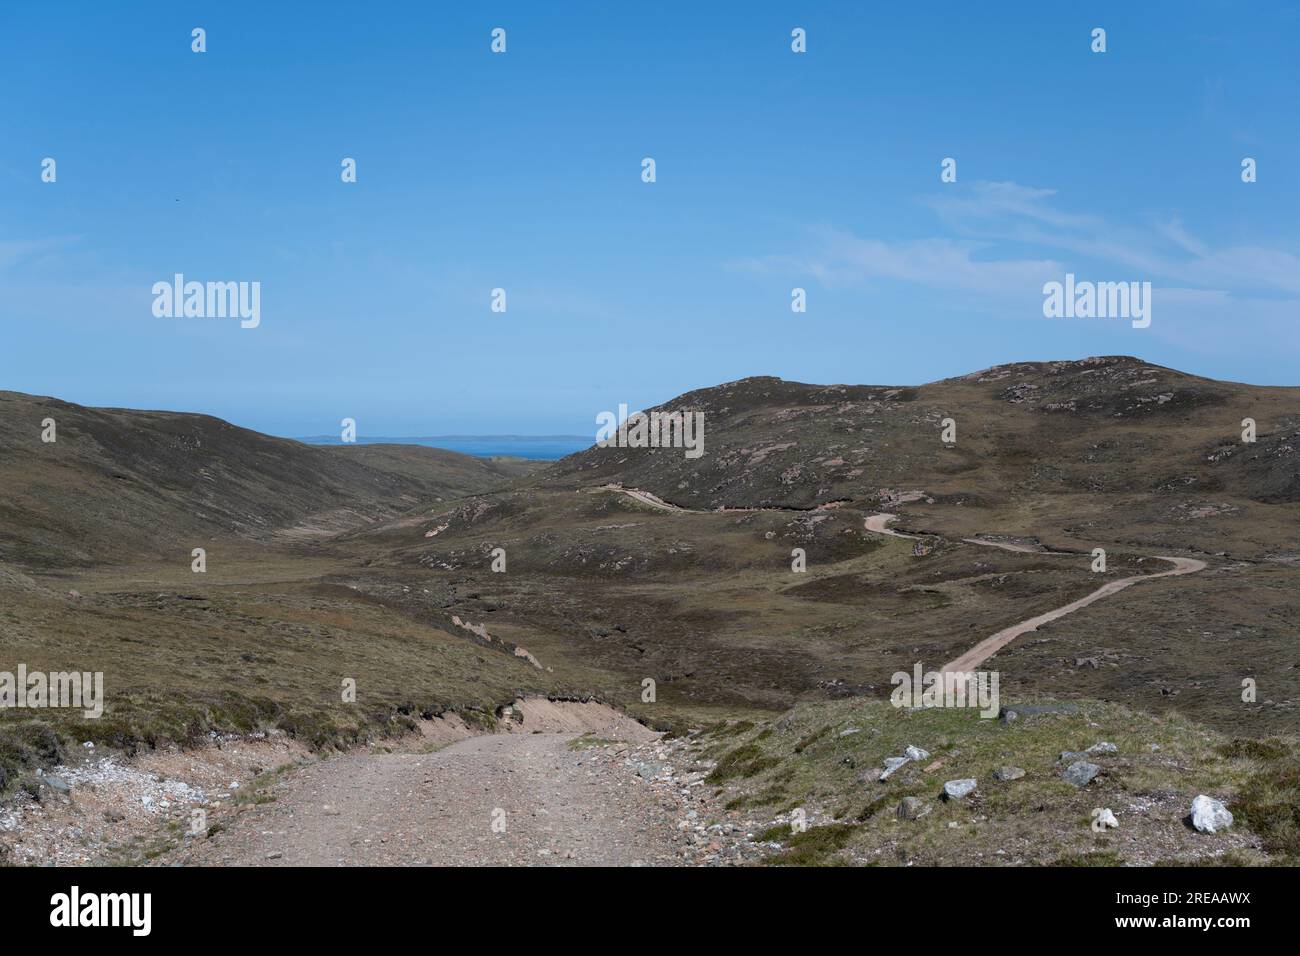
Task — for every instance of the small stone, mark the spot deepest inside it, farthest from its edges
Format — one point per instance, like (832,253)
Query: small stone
(275,855)
(1008,773)
(915,753)
(58,784)
(1080,773)
(1103,819)
(956,789)
(1210,815)
(1105,747)
(892,764)
(912,808)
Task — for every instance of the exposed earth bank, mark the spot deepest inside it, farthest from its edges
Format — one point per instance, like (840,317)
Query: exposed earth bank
(559,783)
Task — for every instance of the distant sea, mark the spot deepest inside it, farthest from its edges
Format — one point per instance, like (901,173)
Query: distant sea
(536,447)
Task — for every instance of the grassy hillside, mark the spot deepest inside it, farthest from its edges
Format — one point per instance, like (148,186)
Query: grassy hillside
(826,759)
(245,648)
(96,531)
(1113,425)
(379,558)
(118,483)
(448,474)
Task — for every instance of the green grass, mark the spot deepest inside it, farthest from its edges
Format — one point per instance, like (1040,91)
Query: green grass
(1090,858)
(772,796)
(1269,800)
(800,760)
(745,761)
(257,790)
(241,658)
(26,745)
(815,846)
(776,834)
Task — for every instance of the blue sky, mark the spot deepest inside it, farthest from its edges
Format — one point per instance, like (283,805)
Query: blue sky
(523,171)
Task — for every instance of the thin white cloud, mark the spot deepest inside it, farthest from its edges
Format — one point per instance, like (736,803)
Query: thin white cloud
(952,264)
(991,225)
(13,251)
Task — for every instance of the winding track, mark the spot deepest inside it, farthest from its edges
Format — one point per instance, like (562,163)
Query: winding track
(645,498)
(977,655)
(986,648)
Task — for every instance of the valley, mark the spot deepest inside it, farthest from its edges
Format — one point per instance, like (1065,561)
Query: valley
(624,565)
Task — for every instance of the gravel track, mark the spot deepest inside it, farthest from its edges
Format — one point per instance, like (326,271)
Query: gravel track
(561,807)
(977,655)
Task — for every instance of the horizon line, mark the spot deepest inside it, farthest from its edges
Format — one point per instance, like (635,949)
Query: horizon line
(482,437)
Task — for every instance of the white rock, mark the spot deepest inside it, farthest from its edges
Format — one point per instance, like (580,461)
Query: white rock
(1210,815)
(892,764)
(1104,818)
(916,753)
(956,789)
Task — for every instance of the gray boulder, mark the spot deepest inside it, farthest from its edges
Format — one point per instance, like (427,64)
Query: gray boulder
(912,808)
(1080,773)
(1008,773)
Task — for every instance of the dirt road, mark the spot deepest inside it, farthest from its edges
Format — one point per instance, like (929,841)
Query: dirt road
(497,799)
(986,648)
(879,523)
(654,501)
(524,796)
(645,498)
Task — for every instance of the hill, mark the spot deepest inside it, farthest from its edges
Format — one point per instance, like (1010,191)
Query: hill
(1107,425)
(116,483)
(627,563)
